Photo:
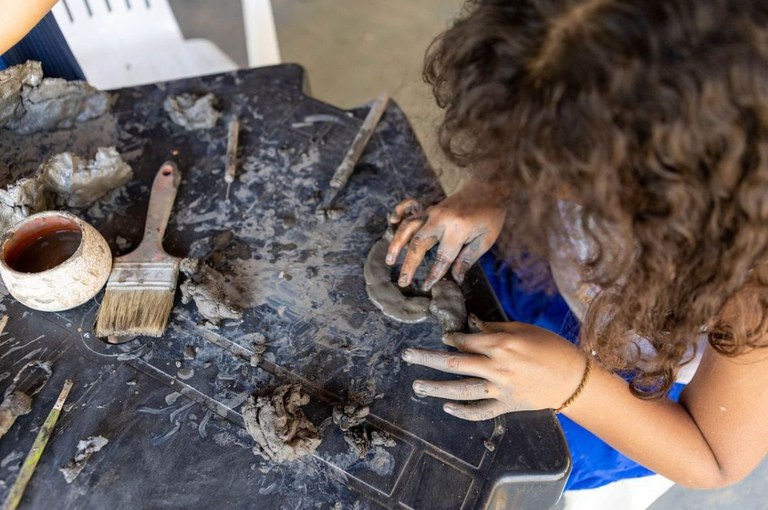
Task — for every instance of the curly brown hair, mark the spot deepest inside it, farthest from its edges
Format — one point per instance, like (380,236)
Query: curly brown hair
(650,114)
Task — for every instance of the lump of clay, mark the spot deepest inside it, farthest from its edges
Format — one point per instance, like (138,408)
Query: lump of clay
(63,180)
(192,112)
(448,306)
(19,200)
(385,294)
(12,81)
(78,182)
(360,441)
(209,289)
(30,103)
(278,425)
(349,415)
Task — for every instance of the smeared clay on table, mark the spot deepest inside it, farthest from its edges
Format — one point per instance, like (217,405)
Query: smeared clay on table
(192,112)
(446,304)
(30,103)
(212,293)
(278,425)
(85,450)
(63,180)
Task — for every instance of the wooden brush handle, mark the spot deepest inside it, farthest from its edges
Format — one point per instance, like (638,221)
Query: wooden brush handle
(161,200)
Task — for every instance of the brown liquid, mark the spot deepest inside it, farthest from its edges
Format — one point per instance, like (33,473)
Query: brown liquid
(46,252)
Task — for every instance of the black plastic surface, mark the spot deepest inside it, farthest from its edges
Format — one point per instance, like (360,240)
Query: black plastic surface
(302,277)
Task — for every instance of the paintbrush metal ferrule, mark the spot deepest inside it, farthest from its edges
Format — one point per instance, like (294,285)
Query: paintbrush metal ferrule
(144,275)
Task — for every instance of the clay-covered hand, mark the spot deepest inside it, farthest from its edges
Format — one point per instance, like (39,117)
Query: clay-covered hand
(465,225)
(511,366)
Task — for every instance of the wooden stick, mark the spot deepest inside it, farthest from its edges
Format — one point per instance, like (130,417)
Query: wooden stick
(30,463)
(232,141)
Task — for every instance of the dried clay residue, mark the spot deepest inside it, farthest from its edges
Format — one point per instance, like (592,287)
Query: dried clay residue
(278,425)
(446,302)
(30,103)
(85,450)
(64,179)
(192,112)
(213,295)
(349,415)
(361,441)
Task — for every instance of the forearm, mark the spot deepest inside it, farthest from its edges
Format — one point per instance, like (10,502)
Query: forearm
(659,434)
(18,17)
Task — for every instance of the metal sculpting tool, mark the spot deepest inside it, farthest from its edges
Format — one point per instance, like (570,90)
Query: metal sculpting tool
(347,166)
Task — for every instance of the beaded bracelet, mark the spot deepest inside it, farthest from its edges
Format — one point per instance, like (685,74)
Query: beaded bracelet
(582,384)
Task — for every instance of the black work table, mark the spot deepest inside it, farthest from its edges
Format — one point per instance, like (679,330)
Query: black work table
(301,276)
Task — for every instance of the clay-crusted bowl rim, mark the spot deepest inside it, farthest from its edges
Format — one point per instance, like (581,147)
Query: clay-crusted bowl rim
(14,230)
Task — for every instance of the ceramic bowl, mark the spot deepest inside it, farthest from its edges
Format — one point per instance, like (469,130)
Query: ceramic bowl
(80,270)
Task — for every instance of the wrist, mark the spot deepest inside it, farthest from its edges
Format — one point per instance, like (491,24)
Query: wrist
(586,373)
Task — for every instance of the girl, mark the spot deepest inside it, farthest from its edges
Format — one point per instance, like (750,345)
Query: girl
(621,148)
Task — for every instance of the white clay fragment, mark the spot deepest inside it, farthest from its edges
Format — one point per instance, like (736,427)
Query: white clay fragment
(192,112)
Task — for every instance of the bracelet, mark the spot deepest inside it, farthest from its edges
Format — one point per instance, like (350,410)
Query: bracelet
(582,384)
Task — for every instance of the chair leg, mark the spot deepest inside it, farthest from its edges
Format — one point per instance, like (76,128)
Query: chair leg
(260,33)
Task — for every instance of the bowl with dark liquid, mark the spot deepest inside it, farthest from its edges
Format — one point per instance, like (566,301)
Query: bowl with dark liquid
(54,261)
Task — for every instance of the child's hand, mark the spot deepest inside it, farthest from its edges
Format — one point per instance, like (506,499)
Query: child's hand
(513,367)
(465,225)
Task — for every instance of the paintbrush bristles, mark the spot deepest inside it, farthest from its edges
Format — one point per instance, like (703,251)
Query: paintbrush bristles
(134,311)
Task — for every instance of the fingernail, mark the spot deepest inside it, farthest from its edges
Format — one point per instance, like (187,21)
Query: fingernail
(403,281)
(407,355)
(448,408)
(418,387)
(473,320)
(390,259)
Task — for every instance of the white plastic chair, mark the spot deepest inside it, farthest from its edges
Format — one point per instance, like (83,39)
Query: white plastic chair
(122,43)
(260,33)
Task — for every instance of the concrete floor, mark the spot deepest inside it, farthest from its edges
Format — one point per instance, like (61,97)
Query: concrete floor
(353,49)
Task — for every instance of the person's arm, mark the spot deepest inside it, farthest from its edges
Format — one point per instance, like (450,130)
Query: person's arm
(713,438)
(18,17)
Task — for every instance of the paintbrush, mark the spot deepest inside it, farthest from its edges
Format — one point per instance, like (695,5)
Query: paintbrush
(141,287)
